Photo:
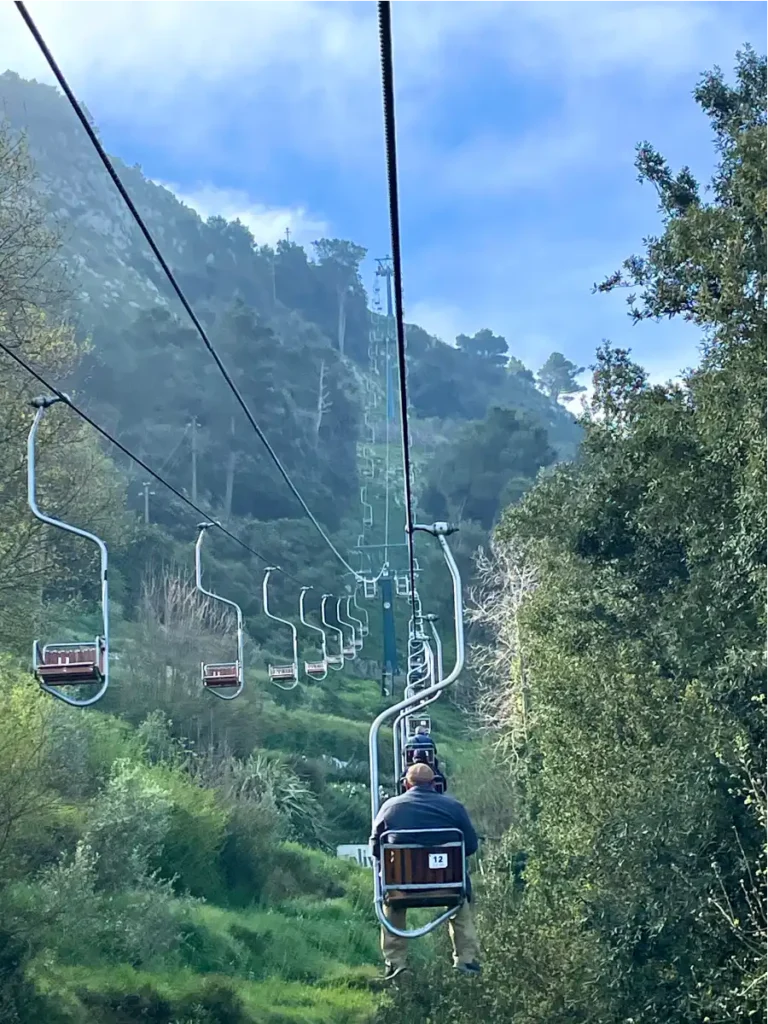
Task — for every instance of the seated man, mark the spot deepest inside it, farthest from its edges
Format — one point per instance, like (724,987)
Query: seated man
(421,807)
(420,757)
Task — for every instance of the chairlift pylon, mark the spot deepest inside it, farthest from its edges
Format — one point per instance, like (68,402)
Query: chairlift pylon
(277,673)
(69,664)
(224,675)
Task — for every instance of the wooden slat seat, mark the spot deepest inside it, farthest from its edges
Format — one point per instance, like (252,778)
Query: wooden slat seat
(314,668)
(70,664)
(282,672)
(423,868)
(221,675)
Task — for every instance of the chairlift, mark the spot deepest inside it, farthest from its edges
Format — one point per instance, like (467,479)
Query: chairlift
(365,622)
(285,677)
(432,620)
(85,663)
(314,669)
(349,650)
(223,675)
(335,661)
(367,507)
(402,585)
(369,588)
(357,625)
(420,867)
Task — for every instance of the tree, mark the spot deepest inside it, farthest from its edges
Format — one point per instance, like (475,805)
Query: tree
(558,376)
(485,345)
(491,463)
(341,261)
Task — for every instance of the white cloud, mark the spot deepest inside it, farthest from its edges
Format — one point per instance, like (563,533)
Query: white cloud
(443,320)
(267,224)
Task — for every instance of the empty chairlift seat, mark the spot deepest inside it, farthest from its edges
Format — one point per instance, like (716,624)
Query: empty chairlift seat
(73,664)
(283,672)
(423,868)
(315,668)
(221,675)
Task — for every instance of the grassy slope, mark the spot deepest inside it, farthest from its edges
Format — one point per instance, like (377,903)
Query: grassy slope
(305,958)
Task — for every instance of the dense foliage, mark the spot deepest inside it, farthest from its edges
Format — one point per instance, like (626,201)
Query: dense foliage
(624,609)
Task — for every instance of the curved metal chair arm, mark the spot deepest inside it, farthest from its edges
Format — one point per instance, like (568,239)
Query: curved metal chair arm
(286,622)
(352,648)
(317,629)
(338,663)
(41,404)
(202,527)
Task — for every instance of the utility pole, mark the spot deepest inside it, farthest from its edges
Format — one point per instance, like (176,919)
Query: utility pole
(145,486)
(194,459)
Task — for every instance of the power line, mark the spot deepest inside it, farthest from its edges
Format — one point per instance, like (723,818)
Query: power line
(139,461)
(109,166)
(388,90)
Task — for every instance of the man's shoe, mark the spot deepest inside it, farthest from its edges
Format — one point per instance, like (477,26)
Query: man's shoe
(473,969)
(393,972)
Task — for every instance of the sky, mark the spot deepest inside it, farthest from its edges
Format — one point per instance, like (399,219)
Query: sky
(516,129)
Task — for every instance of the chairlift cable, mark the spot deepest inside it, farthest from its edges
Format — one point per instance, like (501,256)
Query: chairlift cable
(110,168)
(388,91)
(135,458)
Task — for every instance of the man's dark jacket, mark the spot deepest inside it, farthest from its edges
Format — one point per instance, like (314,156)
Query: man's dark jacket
(421,808)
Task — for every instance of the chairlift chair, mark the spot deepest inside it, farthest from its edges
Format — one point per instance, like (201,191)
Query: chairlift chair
(84,663)
(367,507)
(286,676)
(335,661)
(365,621)
(369,588)
(223,675)
(420,867)
(357,625)
(314,669)
(349,650)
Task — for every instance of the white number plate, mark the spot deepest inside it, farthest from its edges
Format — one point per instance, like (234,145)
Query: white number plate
(438,860)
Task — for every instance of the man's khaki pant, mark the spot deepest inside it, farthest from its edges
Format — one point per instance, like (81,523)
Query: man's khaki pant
(461,928)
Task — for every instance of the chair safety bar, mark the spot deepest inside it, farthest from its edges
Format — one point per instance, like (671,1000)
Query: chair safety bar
(335,661)
(238,678)
(314,669)
(440,531)
(288,672)
(97,653)
(458,888)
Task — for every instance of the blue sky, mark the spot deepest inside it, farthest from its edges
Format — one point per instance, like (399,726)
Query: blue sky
(516,130)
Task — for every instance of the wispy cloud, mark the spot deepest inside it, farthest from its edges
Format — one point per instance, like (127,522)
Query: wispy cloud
(267,224)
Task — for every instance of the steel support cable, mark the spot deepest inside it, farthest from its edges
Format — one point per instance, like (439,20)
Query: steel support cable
(388,91)
(108,165)
(135,458)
